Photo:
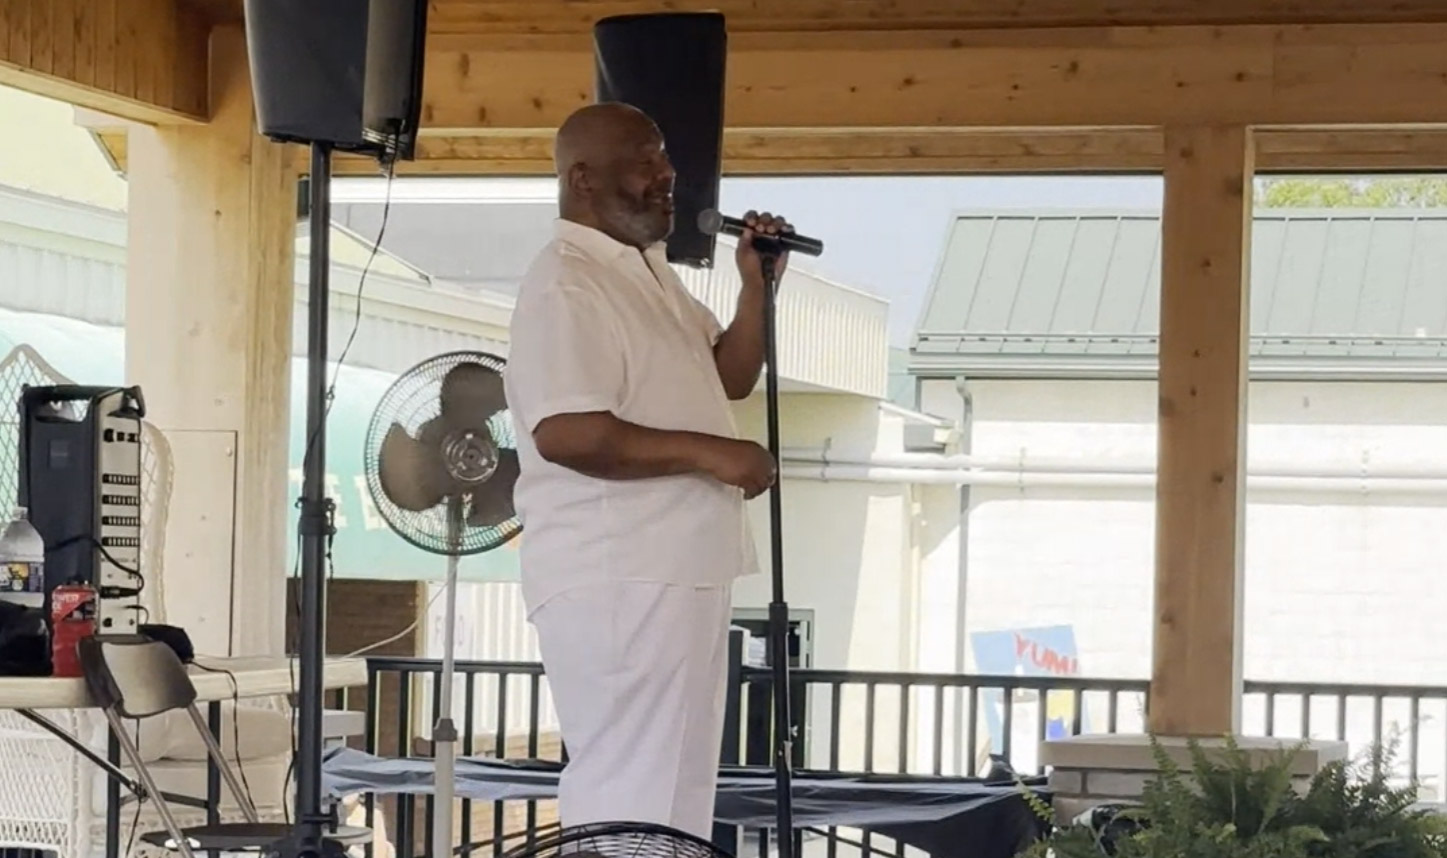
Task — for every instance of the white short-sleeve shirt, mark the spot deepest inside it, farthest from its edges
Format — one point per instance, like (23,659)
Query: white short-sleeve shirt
(601,326)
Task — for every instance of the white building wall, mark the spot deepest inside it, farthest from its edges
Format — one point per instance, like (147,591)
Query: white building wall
(1342,586)
(846,545)
(811,311)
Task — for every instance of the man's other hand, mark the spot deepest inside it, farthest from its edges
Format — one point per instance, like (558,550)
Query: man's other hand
(743,464)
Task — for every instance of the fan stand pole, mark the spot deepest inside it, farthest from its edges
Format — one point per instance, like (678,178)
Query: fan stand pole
(444,732)
(778,608)
(315,528)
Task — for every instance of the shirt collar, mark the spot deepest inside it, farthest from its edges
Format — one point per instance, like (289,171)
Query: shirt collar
(598,243)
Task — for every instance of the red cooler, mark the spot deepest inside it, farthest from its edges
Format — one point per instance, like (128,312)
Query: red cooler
(72,617)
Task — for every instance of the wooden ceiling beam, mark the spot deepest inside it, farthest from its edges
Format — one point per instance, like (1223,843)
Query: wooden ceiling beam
(921,152)
(144,60)
(824,63)
(577,16)
(1349,75)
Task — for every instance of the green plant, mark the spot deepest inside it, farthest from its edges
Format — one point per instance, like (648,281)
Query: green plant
(1363,816)
(1227,807)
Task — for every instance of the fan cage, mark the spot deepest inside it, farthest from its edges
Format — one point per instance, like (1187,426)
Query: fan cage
(620,840)
(413,399)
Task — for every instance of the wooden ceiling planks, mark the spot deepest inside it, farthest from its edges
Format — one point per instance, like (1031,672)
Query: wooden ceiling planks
(137,59)
(577,16)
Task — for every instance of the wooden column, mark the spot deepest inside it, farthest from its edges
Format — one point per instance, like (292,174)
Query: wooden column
(209,295)
(1200,512)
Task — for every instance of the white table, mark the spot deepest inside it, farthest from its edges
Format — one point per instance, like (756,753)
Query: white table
(259,676)
(215,680)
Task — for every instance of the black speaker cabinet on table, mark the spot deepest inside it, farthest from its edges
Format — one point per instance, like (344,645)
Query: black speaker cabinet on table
(671,66)
(80,480)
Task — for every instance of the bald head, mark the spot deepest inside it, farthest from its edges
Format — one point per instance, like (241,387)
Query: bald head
(595,134)
(614,174)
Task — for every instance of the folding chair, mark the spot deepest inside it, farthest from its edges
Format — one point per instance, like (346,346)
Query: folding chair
(135,677)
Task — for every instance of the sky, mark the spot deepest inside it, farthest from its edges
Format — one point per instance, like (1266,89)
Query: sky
(884,235)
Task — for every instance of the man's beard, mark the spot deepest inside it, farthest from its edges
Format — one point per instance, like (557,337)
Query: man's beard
(639,221)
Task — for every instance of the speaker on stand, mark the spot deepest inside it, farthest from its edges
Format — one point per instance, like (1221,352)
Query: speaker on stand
(671,67)
(335,75)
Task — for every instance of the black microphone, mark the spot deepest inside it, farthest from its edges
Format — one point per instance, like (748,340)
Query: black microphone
(710,222)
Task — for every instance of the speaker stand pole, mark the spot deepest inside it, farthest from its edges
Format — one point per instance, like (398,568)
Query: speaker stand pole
(778,608)
(315,528)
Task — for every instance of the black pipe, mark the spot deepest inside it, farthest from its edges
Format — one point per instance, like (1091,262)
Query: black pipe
(315,523)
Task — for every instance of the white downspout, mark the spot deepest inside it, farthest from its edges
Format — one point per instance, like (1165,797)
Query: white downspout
(913,589)
(1020,478)
(1026,463)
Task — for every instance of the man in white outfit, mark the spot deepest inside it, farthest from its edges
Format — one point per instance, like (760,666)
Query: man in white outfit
(633,478)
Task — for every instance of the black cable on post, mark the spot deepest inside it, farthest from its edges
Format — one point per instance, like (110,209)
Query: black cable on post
(778,608)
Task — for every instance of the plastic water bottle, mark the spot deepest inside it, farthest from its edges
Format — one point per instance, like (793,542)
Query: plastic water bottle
(22,561)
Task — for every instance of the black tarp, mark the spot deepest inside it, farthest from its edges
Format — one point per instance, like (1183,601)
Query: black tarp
(948,817)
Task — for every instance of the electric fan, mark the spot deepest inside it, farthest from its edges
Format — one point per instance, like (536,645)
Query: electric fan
(441,462)
(619,840)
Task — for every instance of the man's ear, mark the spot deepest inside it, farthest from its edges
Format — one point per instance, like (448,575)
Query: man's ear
(578,180)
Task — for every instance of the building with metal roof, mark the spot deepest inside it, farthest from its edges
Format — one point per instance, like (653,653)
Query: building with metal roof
(1039,337)
(485,242)
(1336,294)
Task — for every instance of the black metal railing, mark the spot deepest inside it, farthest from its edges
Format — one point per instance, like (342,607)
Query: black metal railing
(393,689)
(927,724)
(970,717)
(1409,720)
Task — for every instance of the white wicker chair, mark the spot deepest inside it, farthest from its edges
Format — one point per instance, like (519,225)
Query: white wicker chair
(51,797)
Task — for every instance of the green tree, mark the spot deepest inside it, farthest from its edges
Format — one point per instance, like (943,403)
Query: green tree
(1384,192)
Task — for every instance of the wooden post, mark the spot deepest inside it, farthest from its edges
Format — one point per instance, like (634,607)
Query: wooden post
(1200,489)
(209,297)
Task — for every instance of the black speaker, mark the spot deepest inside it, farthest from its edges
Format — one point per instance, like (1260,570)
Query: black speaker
(671,66)
(343,72)
(80,480)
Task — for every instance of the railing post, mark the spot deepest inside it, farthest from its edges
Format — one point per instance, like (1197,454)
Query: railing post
(369,742)
(726,837)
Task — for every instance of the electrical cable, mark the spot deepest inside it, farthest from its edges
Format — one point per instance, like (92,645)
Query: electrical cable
(96,543)
(415,623)
(357,314)
(235,724)
(291,670)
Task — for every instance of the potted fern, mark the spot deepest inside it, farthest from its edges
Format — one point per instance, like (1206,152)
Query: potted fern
(1226,807)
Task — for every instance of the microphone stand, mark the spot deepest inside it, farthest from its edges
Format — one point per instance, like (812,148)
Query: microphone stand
(769,252)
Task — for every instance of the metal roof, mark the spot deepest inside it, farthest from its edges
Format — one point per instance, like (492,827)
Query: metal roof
(66,259)
(1335,292)
(488,246)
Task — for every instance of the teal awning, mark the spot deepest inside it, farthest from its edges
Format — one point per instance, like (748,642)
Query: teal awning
(364,547)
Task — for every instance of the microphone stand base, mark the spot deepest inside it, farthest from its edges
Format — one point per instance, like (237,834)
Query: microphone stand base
(304,844)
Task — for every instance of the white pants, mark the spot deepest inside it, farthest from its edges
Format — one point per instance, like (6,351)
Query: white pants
(638,675)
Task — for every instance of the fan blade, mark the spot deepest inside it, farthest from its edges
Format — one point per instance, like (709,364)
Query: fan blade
(471,394)
(432,433)
(411,471)
(507,438)
(492,501)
